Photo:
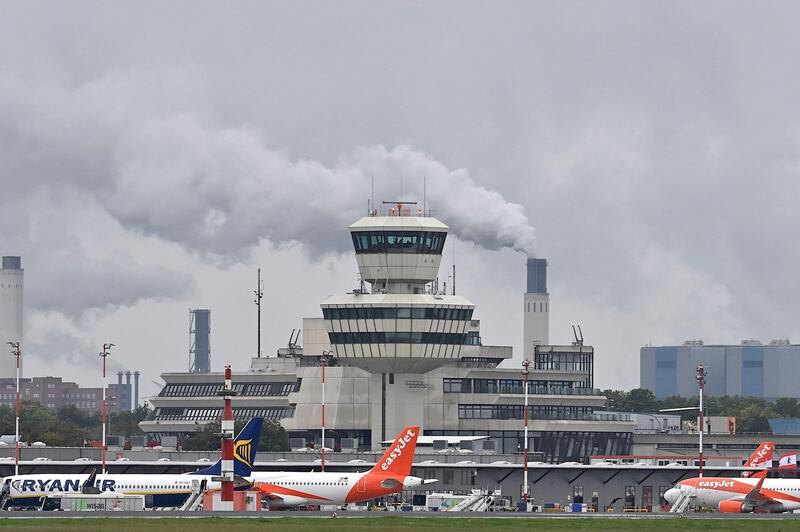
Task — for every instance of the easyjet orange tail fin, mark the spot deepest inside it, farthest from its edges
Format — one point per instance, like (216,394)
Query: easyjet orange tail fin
(399,456)
(762,457)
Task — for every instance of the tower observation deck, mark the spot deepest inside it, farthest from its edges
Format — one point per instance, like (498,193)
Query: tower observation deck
(402,324)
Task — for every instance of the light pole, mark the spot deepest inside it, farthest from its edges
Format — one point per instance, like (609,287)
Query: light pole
(701,382)
(17,354)
(525,373)
(103,355)
(323,360)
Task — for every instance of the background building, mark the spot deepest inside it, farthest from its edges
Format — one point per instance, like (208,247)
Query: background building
(401,353)
(12,285)
(750,369)
(53,392)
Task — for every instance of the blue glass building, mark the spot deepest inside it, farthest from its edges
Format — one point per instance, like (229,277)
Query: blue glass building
(750,369)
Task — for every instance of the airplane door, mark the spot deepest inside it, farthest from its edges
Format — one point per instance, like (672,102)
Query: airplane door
(361,487)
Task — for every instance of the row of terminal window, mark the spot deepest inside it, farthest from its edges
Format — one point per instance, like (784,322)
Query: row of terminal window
(424,242)
(404,338)
(515,386)
(202,414)
(269,389)
(571,361)
(391,313)
(516,412)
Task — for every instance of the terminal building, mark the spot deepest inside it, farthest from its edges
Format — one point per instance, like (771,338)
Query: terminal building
(750,369)
(399,351)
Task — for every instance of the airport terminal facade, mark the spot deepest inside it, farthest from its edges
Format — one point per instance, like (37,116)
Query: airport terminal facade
(398,352)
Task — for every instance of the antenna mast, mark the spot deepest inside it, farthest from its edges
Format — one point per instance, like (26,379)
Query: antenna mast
(424,195)
(454,267)
(259,294)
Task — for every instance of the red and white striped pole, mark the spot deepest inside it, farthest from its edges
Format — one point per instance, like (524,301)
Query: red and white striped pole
(104,354)
(17,353)
(324,361)
(227,443)
(525,494)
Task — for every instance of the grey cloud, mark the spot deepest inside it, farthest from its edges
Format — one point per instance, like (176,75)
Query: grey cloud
(653,146)
(167,172)
(63,276)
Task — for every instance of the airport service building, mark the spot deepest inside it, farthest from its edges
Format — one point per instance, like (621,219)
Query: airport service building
(398,351)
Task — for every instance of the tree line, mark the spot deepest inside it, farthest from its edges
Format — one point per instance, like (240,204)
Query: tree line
(751,413)
(70,426)
(67,426)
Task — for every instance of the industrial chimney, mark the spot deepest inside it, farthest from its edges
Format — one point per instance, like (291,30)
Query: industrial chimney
(200,345)
(537,308)
(12,284)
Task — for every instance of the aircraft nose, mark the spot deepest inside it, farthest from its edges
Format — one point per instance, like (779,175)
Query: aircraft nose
(672,495)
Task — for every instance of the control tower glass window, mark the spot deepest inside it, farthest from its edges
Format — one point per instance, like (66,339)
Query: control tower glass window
(399,242)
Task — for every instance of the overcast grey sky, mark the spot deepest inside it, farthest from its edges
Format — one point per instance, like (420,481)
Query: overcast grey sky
(153,156)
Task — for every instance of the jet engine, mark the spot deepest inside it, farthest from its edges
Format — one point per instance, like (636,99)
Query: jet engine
(734,507)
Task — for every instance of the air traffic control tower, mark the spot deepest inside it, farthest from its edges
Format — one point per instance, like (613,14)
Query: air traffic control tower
(403,323)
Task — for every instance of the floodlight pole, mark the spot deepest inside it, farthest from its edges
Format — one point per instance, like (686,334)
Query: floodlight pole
(701,382)
(17,354)
(103,413)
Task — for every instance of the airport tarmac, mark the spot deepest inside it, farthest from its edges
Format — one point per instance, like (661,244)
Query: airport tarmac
(368,514)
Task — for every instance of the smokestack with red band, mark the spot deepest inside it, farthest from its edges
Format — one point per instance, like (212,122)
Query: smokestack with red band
(227,442)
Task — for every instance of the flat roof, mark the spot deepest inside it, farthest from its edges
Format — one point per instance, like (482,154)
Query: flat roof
(403,223)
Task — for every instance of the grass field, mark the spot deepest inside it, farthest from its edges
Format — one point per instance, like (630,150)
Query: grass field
(389,524)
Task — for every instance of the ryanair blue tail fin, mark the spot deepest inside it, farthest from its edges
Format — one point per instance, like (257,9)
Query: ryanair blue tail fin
(245,446)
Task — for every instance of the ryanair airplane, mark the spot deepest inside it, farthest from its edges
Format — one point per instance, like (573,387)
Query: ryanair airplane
(166,490)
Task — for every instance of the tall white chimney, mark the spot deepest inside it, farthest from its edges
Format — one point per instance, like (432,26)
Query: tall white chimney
(537,308)
(12,283)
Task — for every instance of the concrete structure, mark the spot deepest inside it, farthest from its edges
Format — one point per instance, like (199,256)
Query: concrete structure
(749,369)
(655,423)
(404,353)
(53,392)
(12,287)
(537,308)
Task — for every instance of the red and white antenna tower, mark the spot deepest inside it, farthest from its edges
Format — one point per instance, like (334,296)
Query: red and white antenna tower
(226,478)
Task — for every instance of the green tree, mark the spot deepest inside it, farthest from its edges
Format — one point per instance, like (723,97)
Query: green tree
(273,437)
(205,439)
(641,400)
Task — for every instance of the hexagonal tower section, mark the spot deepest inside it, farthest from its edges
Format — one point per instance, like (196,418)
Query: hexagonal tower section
(402,324)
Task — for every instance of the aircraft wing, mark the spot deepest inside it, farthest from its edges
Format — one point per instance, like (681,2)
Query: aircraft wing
(756,496)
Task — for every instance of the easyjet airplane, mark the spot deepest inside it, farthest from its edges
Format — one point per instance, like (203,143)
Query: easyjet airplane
(166,490)
(755,493)
(390,475)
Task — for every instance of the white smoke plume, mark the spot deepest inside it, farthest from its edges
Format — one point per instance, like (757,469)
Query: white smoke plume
(150,153)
